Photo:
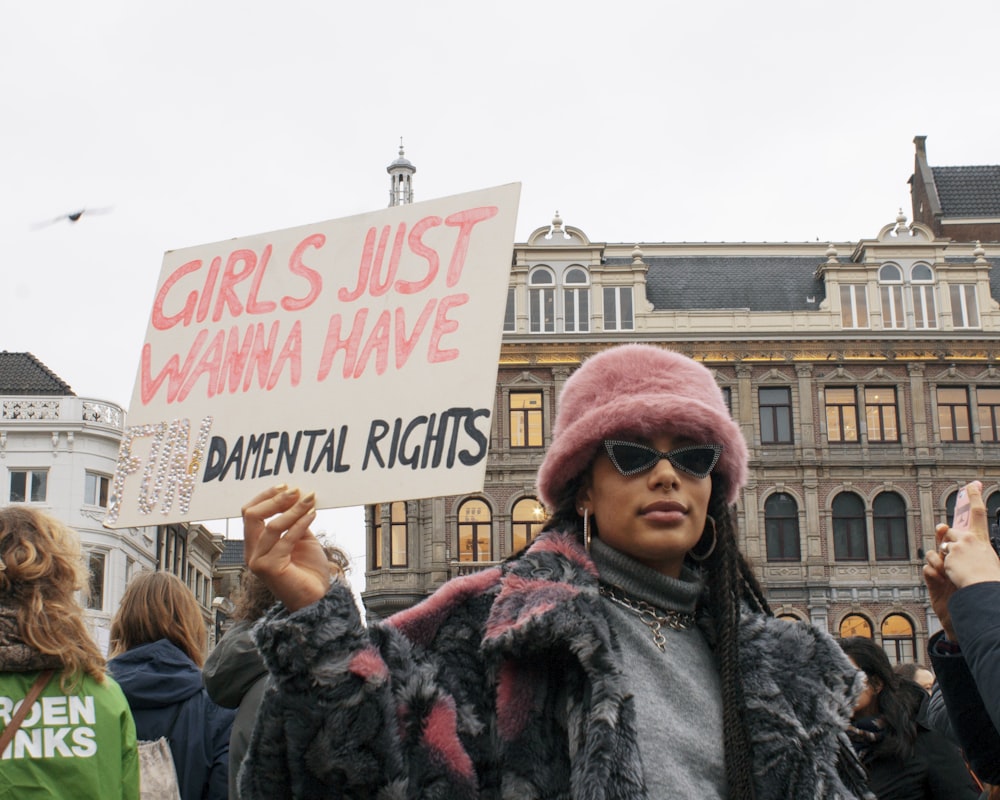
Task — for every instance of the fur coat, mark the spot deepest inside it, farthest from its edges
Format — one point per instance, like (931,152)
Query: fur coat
(508,683)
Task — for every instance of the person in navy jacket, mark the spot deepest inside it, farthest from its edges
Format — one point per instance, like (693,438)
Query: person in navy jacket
(158,644)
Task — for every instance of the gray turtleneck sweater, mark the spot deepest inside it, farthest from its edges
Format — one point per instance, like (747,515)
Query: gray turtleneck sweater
(678,696)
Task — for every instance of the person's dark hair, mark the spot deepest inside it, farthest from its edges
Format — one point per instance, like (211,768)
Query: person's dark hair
(898,698)
(909,670)
(729,581)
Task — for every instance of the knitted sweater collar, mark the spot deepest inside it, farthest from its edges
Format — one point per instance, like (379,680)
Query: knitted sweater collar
(642,583)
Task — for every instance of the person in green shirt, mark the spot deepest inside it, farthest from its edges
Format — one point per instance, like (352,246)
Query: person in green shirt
(78,738)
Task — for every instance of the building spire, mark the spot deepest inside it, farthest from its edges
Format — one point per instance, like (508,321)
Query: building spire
(401,176)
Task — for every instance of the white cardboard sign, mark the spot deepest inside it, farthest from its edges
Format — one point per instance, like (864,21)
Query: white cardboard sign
(354,357)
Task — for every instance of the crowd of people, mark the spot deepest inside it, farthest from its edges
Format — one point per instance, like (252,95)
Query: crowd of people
(627,652)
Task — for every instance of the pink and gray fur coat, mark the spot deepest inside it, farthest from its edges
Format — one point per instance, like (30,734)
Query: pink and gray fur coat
(485,690)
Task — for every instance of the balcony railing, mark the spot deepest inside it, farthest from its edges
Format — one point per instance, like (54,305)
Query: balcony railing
(68,410)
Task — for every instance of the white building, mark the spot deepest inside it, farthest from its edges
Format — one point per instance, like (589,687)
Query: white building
(58,451)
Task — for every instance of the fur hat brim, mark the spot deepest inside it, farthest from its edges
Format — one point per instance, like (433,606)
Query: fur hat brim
(643,391)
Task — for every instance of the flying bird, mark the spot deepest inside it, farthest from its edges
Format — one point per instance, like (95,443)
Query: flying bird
(73,217)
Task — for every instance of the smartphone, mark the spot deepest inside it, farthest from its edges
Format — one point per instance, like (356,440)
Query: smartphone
(963,510)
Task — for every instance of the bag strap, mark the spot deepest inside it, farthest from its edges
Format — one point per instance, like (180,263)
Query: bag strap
(22,711)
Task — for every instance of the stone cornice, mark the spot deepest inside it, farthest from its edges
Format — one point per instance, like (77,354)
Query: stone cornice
(541,353)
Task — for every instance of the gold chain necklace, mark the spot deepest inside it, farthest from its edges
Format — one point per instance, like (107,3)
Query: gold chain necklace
(656,619)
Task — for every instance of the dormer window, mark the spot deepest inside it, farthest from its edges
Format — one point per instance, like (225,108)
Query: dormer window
(541,301)
(890,280)
(964,305)
(853,305)
(922,293)
(572,313)
(917,287)
(576,300)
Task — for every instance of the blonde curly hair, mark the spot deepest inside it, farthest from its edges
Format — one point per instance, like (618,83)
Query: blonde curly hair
(43,569)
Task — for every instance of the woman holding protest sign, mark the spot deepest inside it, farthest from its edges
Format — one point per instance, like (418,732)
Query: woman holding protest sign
(627,653)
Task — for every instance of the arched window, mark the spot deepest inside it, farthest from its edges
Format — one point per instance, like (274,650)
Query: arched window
(788,618)
(889,522)
(527,519)
(898,639)
(475,531)
(890,280)
(781,524)
(922,294)
(397,534)
(576,300)
(541,301)
(850,536)
(949,507)
(992,507)
(855,625)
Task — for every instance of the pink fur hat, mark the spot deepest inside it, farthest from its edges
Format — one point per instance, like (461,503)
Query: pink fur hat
(639,390)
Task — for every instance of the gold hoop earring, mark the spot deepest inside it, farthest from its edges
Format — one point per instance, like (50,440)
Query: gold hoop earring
(699,552)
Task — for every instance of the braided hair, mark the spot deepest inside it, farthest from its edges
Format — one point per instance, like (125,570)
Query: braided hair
(730,583)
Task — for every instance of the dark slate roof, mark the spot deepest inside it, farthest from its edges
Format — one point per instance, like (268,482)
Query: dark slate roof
(764,283)
(23,374)
(968,191)
(232,556)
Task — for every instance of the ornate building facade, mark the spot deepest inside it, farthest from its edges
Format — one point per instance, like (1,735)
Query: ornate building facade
(865,376)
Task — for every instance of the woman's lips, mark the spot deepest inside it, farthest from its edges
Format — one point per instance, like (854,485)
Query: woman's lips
(664,511)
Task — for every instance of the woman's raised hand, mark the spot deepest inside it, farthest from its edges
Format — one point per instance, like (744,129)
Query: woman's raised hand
(963,557)
(967,555)
(280,548)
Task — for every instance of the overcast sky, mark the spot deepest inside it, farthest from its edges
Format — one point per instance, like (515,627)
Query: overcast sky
(184,123)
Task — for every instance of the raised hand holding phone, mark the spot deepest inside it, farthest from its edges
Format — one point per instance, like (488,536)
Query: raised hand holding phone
(965,551)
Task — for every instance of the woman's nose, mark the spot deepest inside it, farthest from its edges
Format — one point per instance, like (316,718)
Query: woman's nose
(663,473)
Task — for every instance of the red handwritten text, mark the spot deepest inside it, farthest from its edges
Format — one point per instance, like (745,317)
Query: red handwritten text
(241,265)
(228,363)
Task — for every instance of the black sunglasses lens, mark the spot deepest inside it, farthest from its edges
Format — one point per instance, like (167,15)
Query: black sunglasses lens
(697,461)
(631,458)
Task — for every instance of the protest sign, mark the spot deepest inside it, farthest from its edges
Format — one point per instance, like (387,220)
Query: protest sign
(355,358)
